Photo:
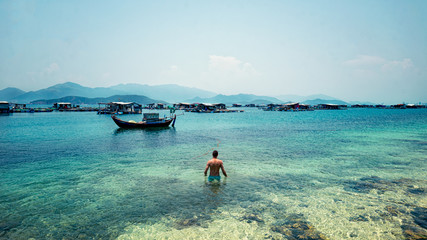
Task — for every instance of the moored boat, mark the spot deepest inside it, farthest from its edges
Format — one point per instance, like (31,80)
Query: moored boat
(150,120)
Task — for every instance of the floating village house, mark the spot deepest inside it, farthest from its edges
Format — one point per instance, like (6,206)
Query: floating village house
(288,107)
(207,107)
(120,108)
(185,106)
(4,107)
(62,105)
(294,107)
(156,106)
(330,107)
(19,107)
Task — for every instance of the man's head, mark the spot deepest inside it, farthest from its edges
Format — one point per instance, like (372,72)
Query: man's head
(215,153)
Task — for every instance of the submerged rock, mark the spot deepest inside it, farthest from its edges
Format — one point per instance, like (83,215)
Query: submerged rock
(418,229)
(420,216)
(192,221)
(359,218)
(6,226)
(366,184)
(187,223)
(413,232)
(295,227)
(417,191)
(393,211)
(252,217)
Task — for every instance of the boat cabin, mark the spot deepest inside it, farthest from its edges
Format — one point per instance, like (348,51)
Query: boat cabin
(151,117)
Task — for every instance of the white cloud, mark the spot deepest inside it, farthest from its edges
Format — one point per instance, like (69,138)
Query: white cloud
(106,75)
(364,60)
(225,74)
(375,62)
(173,68)
(404,64)
(53,67)
(230,65)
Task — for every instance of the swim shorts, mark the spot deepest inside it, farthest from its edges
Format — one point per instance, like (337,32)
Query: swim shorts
(212,178)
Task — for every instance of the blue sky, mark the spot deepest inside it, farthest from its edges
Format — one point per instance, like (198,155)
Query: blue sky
(353,50)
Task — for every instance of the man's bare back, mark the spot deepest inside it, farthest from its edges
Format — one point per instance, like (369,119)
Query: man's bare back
(214,165)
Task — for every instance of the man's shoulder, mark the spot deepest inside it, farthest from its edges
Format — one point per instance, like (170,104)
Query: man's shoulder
(218,161)
(215,160)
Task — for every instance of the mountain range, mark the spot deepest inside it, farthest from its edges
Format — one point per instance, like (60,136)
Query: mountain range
(78,94)
(298,98)
(168,93)
(92,101)
(239,98)
(10,93)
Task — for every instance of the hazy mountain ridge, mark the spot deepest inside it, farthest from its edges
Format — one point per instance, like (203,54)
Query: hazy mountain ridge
(63,90)
(299,98)
(239,98)
(324,101)
(84,100)
(10,93)
(169,93)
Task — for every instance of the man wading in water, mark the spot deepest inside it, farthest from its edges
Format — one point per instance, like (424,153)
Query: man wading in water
(215,164)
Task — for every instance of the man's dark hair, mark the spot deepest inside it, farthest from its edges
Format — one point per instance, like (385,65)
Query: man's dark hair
(215,153)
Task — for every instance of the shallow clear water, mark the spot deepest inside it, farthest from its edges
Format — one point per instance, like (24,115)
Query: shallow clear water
(351,174)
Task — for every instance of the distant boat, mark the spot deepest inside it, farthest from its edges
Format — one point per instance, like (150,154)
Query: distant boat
(150,120)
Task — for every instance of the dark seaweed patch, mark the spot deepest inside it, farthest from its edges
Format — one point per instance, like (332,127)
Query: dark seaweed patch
(295,227)
(364,186)
(415,142)
(420,216)
(393,211)
(413,232)
(252,218)
(399,163)
(418,228)
(6,226)
(193,221)
(360,218)
(416,190)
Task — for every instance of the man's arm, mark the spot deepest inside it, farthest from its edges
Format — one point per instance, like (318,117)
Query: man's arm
(206,169)
(223,170)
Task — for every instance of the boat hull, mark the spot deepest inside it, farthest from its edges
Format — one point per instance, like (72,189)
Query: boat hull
(125,124)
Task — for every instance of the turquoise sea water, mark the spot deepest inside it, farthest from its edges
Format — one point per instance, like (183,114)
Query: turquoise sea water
(350,174)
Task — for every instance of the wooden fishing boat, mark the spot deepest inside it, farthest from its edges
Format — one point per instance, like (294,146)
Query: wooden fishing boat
(150,120)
